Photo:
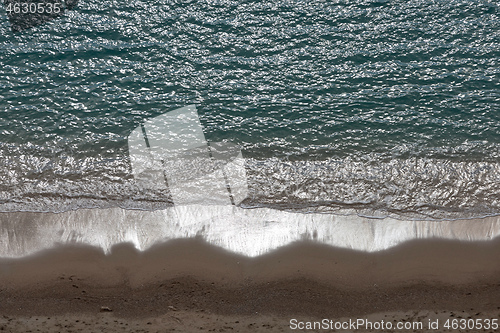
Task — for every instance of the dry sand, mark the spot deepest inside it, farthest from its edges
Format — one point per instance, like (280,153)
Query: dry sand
(190,286)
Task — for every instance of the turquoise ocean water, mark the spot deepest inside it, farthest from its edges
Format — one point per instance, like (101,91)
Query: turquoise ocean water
(377,108)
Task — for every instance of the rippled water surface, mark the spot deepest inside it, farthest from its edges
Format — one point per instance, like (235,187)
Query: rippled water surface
(369,107)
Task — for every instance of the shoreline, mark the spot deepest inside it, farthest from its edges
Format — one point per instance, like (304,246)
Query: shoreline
(249,232)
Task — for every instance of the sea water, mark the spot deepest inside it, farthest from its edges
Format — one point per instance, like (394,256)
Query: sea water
(373,109)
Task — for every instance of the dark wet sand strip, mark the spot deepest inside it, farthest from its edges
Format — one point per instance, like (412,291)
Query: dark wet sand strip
(186,284)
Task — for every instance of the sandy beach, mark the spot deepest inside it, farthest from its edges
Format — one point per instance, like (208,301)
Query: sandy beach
(191,286)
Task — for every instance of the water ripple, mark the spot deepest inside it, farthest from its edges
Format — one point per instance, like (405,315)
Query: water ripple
(290,81)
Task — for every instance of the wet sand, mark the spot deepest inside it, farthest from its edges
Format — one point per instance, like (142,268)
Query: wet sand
(189,286)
